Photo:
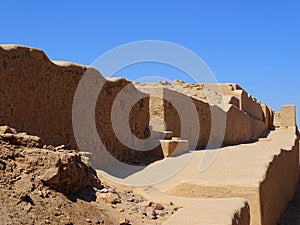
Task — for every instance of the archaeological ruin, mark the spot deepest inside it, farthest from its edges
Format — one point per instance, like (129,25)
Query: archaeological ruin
(250,179)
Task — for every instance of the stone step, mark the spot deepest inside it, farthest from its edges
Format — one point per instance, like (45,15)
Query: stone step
(165,135)
(174,147)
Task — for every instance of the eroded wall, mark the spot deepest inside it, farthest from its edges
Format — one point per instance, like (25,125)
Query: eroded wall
(281,180)
(245,119)
(37,97)
(286,117)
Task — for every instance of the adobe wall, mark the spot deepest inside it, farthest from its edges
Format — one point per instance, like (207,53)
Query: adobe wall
(247,103)
(288,116)
(281,180)
(268,115)
(173,122)
(277,119)
(265,173)
(156,113)
(37,96)
(241,127)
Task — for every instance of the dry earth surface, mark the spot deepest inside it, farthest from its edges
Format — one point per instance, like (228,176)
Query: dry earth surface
(41,184)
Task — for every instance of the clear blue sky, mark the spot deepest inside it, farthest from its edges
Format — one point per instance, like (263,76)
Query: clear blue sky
(255,43)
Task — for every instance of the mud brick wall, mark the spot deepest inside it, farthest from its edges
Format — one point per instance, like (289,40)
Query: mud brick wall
(240,126)
(36,96)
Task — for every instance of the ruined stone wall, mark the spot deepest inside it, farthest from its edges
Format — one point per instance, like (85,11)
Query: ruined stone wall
(247,103)
(288,116)
(277,119)
(245,118)
(173,121)
(240,127)
(156,113)
(268,116)
(251,106)
(230,94)
(37,96)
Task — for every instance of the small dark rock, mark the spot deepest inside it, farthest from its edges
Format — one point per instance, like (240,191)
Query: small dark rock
(57,213)
(116,201)
(130,199)
(158,207)
(150,203)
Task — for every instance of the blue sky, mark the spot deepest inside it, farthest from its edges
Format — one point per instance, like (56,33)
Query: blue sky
(255,43)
